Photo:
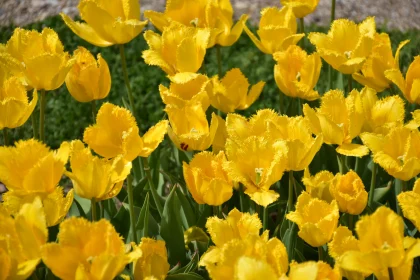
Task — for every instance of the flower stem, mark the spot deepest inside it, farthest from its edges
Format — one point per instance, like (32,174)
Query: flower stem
(93,103)
(390,273)
(290,198)
(320,253)
(241,198)
(281,103)
(5,137)
(301,25)
(330,69)
(127,82)
(265,218)
(332,10)
(372,184)
(219,60)
(42,116)
(152,186)
(341,164)
(351,222)
(34,128)
(93,211)
(350,83)
(131,207)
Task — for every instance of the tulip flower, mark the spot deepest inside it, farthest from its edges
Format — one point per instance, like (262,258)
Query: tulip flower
(381,115)
(31,167)
(185,89)
(372,73)
(189,129)
(410,86)
(396,152)
(277,30)
(340,120)
(318,186)
(410,204)
(206,180)
(349,192)
(15,109)
(178,49)
(219,140)
(87,250)
(296,73)
(88,79)
(107,22)
(301,8)
(116,133)
(250,258)
(231,92)
(215,15)
(236,225)
(311,270)
(42,54)
(56,204)
(381,247)
(316,219)
(415,122)
(22,238)
(347,45)
(94,177)
(153,263)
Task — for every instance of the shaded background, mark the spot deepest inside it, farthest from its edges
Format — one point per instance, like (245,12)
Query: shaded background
(392,14)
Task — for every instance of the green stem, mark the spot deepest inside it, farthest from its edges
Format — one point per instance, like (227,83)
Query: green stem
(320,253)
(127,82)
(219,60)
(42,116)
(290,198)
(372,184)
(301,25)
(341,164)
(241,198)
(281,103)
(102,207)
(93,103)
(330,69)
(152,186)
(131,208)
(404,186)
(332,10)
(330,79)
(265,218)
(5,137)
(390,273)
(350,83)
(93,211)
(351,222)
(34,128)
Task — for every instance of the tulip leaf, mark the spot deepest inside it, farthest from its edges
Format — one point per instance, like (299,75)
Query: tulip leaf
(76,209)
(204,214)
(171,229)
(289,240)
(187,213)
(299,256)
(143,221)
(190,267)
(185,276)
(380,193)
(110,207)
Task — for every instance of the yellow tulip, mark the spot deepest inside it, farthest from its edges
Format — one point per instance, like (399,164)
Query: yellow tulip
(372,73)
(219,140)
(342,242)
(347,44)
(410,204)
(42,54)
(236,225)
(277,30)
(153,263)
(316,219)
(21,239)
(381,247)
(87,250)
(231,92)
(56,204)
(206,180)
(88,79)
(94,177)
(116,133)
(31,167)
(107,22)
(396,152)
(339,120)
(318,186)
(189,129)
(349,192)
(10,66)
(178,49)
(301,8)
(296,73)
(185,89)
(381,115)
(311,270)
(215,15)
(15,108)
(233,260)
(415,122)
(410,86)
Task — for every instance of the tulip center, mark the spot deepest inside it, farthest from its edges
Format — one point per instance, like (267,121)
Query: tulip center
(193,130)
(90,259)
(298,76)
(348,54)
(401,159)
(340,125)
(385,246)
(258,174)
(194,22)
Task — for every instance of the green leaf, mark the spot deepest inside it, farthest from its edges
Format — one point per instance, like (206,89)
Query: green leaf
(185,276)
(380,193)
(143,221)
(299,256)
(171,229)
(204,214)
(187,215)
(190,267)
(76,210)
(110,207)
(289,240)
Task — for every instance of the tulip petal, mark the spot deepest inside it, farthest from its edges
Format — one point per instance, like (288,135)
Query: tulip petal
(352,150)
(155,58)
(263,197)
(153,137)
(397,52)
(255,40)
(234,34)
(159,20)
(395,76)
(252,96)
